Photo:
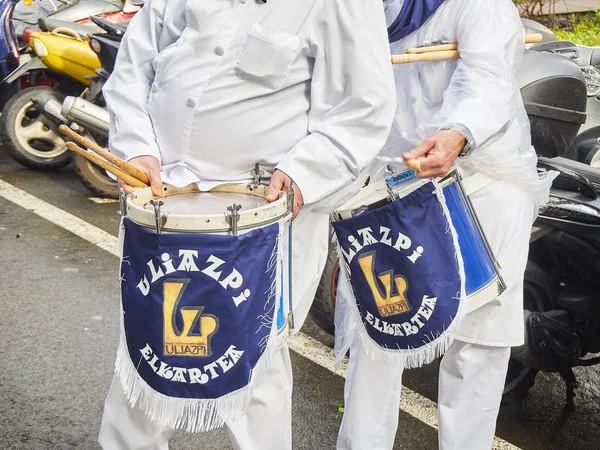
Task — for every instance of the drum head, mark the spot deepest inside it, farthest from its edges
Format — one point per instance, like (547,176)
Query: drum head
(207,203)
(188,209)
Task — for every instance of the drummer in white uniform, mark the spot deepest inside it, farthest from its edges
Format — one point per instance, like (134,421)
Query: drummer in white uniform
(203,91)
(469,112)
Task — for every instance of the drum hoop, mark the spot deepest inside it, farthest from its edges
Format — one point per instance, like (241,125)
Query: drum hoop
(379,190)
(206,223)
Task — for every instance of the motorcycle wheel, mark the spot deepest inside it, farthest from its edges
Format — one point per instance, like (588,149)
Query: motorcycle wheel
(28,139)
(537,296)
(322,310)
(95,178)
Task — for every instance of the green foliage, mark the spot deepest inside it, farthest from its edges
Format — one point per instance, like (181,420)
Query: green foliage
(585,31)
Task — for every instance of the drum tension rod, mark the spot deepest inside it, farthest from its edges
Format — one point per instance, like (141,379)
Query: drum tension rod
(257,173)
(234,216)
(157,215)
(122,202)
(290,206)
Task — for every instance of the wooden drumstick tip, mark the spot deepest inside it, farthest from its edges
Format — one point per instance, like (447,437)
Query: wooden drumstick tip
(414,164)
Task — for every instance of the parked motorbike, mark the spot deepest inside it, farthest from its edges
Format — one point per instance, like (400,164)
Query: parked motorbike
(56,13)
(562,279)
(20,20)
(28,127)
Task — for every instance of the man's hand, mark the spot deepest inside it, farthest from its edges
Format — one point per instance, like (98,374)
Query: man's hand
(281,182)
(437,153)
(151,166)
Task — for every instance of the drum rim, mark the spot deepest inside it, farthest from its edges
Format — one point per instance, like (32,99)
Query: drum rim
(206,223)
(380,187)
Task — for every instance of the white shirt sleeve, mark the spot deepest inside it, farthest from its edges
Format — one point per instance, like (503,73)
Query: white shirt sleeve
(352,98)
(126,92)
(483,95)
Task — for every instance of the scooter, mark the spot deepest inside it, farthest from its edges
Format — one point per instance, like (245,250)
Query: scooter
(20,20)
(562,283)
(27,126)
(62,64)
(562,279)
(45,15)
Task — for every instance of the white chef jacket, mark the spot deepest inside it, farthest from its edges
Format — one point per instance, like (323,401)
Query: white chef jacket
(212,87)
(478,92)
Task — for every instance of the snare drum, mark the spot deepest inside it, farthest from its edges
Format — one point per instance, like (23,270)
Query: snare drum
(483,281)
(205,292)
(189,210)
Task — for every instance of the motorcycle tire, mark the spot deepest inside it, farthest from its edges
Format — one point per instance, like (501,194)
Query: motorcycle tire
(538,294)
(322,310)
(27,139)
(95,178)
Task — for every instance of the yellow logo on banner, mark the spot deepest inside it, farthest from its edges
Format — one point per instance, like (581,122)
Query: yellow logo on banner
(388,304)
(193,339)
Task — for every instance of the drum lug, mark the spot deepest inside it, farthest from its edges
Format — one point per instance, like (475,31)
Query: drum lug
(122,203)
(159,218)
(234,217)
(257,173)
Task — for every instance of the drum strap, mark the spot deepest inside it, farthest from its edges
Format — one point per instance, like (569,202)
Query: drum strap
(476,182)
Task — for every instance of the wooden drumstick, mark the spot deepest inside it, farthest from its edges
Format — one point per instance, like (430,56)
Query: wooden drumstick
(529,39)
(127,178)
(432,56)
(124,165)
(414,164)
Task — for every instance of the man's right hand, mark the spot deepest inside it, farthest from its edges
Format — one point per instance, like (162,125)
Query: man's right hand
(151,166)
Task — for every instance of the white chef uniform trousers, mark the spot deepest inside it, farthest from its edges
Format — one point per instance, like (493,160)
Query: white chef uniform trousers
(266,425)
(472,372)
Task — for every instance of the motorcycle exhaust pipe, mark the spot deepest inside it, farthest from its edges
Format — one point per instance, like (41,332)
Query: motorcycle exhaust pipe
(86,114)
(49,107)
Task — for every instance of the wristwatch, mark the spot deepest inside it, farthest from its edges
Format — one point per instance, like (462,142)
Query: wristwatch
(468,148)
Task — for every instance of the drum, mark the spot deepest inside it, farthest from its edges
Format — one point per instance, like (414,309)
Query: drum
(413,262)
(188,210)
(205,294)
(483,281)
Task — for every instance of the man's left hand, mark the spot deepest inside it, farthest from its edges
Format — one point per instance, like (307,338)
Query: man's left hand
(437,153)
(281,182)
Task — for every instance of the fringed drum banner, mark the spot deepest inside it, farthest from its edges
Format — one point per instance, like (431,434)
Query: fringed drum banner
(199,319)
(406,276)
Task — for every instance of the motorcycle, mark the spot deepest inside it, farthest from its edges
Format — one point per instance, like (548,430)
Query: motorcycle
(562,279)
(20,20)
(62,64)
(45,15)
(28,127)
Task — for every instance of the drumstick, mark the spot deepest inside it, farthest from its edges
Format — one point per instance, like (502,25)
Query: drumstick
(414,164)
(127,178)
(125,166)
(432,56)
(529,39)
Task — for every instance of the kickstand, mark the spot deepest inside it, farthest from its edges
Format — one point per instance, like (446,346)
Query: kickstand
(571,383)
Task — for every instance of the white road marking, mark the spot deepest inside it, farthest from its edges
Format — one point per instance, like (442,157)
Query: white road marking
(102,200)
(59,217)
(411,403)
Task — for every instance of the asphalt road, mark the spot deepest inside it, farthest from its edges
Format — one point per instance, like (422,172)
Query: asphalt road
(59,332)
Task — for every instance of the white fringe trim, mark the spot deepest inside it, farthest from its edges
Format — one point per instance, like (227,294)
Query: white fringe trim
(199,415)
(349,324)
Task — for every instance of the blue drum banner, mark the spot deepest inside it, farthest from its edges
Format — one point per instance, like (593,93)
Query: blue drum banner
(199,322)
(402,278)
